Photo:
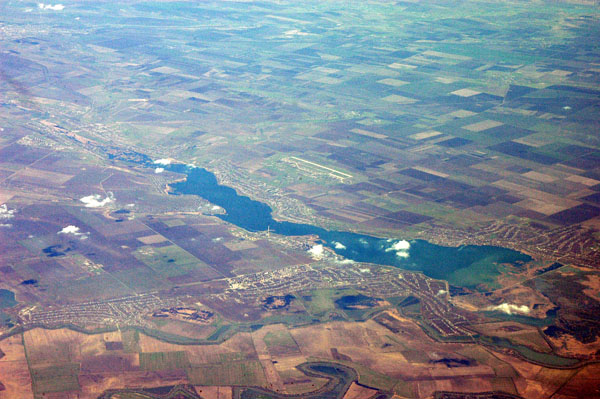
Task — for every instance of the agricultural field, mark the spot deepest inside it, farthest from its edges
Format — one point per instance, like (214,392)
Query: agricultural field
(238,199)
(406,362)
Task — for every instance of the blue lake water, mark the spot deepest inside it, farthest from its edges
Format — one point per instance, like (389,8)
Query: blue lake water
(468,266)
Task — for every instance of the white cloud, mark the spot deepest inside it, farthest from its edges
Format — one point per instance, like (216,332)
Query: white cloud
(6,213)
(163,161)
(159,170)
(70,230)
(6,225)
(96,201)
(338,245)
(400,247)
(215,208)
(55,7)
(75,231)
(316,251)
(442,292)
(363,242)
(345,262)
(509,308)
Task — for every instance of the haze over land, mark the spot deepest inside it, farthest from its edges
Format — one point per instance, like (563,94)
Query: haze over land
(331,199)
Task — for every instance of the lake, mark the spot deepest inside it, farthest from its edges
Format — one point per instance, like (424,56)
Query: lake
(469,266)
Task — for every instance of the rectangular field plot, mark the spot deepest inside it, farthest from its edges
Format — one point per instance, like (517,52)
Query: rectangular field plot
(281,343)
(168,261)
(55,378)
(154,361)
(230,373)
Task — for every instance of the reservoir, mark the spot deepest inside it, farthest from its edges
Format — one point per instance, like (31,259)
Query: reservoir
(468,266)
(7,299)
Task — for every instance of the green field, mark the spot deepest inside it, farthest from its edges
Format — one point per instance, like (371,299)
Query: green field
(153,361)
(55,378)
(229,373)
(280,342)
(168,261)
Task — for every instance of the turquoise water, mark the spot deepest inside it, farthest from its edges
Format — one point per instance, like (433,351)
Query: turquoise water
(549,359)
(7,299)
(530,321)
(467,266)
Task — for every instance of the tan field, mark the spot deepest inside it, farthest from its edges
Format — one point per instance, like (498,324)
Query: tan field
(359,392)
(407,362)
(14,372)
(214,392)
